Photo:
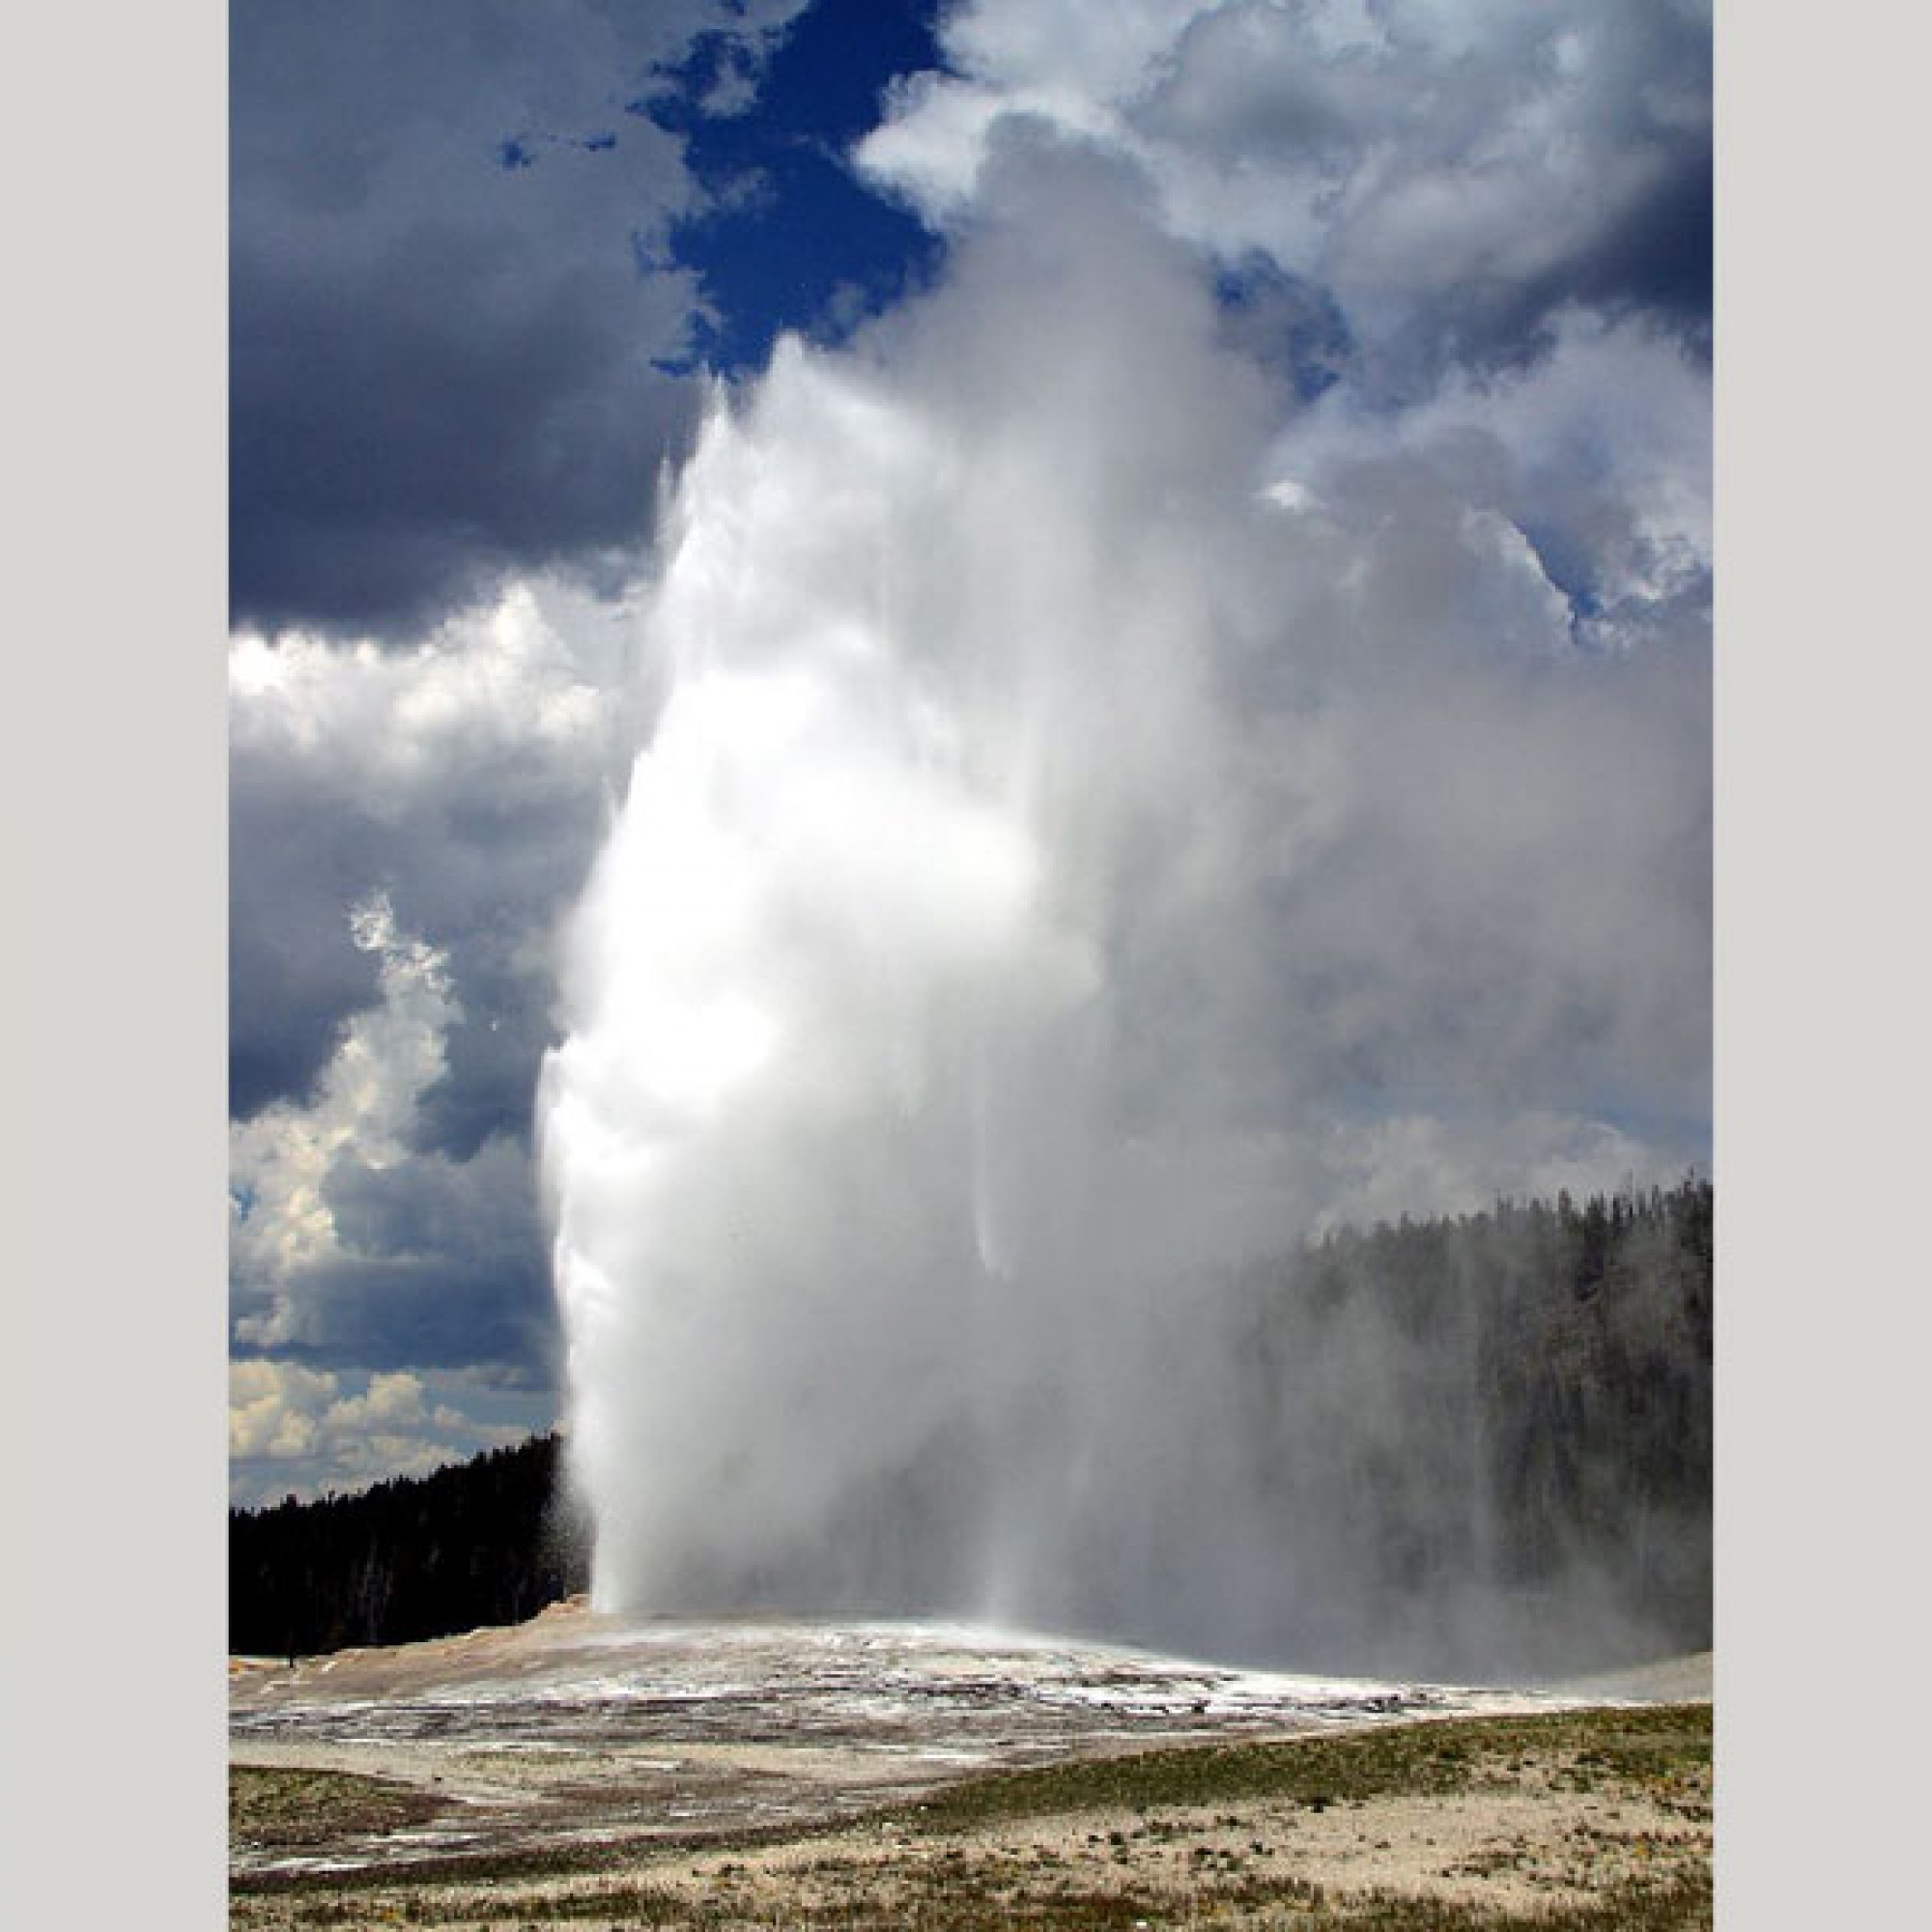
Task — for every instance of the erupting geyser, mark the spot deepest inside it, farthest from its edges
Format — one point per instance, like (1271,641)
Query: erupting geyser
(1042,830)
(864,1150)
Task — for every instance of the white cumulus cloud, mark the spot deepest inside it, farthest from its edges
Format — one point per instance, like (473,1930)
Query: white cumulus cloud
(1417,155)
(296,1430)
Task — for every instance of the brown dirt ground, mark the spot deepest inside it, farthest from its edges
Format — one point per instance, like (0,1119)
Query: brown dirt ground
(593,1831)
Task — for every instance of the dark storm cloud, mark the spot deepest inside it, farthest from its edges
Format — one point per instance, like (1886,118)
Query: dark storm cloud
(490,867)
(354,1245)
(1653,260)
(1453,178)
(385,1312)
(443,366)
(293,978)
(1625,204)
(429,777)
(444,1265)
(480,868)
(389,458)
(1660,256)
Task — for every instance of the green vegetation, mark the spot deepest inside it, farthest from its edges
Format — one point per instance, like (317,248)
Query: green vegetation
(1654,1749)
(1676,1906)
(1516,1405)
(1184,1824)
(491,1541)
(274,1809)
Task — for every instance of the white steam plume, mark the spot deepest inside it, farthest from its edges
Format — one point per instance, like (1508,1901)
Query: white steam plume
(1064,864)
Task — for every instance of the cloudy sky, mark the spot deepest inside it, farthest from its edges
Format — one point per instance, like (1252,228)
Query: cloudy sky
(488,262)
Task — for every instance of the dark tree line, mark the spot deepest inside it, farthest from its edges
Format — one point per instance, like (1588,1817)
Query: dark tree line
(1514,1411)
(491,1541)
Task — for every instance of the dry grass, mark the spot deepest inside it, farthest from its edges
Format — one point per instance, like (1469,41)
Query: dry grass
(1591,1821)
(271,1810)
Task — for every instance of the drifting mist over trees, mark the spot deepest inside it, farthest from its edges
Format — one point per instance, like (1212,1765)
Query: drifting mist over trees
(1493,1433)
(1486,1439)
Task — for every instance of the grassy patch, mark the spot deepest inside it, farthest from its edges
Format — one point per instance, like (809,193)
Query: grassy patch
(1680,1905)
(948,1864)
(270,1809)
(561,1861)
(971,1903)
(1653,1748)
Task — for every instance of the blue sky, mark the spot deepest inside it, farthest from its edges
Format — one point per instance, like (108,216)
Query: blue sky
(794,239)
(485,262)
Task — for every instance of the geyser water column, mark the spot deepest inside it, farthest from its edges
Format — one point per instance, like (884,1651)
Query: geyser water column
(769,1131)
(1064,864)
(853,1147)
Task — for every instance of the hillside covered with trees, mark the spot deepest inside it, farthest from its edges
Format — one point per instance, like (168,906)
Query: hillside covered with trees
(491,1541)
(1502,1417)
(1501,1421)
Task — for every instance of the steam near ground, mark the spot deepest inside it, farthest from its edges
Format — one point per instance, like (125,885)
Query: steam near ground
(1103,819)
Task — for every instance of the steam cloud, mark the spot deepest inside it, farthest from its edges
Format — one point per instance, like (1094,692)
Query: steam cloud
(1104,818)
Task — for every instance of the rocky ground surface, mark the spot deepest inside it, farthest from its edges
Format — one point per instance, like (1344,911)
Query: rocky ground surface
(577,1770)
